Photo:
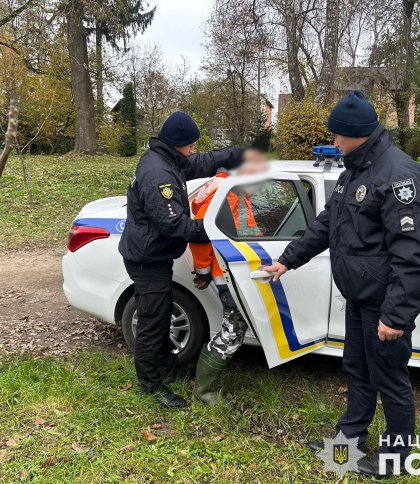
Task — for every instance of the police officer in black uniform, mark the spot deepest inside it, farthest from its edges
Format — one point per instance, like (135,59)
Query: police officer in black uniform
(371,224)
(157,231)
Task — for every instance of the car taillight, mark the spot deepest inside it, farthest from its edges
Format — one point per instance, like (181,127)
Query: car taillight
(80,236)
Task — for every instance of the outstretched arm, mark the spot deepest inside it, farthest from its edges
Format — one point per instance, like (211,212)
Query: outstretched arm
(202,165)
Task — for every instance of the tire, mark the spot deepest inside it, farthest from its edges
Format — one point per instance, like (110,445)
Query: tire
(190,316)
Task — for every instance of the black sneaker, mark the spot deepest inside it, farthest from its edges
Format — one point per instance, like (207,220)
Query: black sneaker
(316,446)
(166,398)
(369,466)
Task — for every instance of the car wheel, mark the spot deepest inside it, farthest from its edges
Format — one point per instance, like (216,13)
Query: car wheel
(189,327)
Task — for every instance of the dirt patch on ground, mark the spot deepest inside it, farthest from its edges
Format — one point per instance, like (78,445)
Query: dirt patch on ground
(34,314)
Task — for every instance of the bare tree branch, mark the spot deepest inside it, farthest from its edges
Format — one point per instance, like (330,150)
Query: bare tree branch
(14,13)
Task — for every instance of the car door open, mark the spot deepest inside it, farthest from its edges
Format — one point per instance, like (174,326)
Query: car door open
(250,221)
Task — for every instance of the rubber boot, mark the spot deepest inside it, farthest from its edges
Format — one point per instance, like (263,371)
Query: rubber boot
(209,368)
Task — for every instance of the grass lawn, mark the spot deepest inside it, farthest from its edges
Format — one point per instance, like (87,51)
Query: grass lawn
(79,419)
(60,186)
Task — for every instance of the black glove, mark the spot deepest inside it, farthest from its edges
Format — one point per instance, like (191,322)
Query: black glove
(202,281)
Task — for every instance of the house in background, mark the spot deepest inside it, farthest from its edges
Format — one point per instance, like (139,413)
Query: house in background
(377,83)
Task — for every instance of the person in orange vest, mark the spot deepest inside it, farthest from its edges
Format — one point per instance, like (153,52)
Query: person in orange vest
(216,354)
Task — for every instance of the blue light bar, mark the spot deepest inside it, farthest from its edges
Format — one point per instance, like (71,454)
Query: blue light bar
(327,154)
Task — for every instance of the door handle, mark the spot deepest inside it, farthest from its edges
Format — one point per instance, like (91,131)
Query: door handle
(262,276)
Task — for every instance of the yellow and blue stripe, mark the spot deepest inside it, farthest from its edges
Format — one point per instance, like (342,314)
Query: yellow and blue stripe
(273,295)
(275,300)
(339,343)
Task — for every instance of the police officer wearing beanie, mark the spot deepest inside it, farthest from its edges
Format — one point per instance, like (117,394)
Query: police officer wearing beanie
(157,231)
(371,224)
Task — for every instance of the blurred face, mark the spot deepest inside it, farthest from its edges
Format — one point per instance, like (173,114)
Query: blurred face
(347,144)
(187,150)
(254,162)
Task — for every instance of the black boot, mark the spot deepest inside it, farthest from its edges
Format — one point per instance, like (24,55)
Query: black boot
(369,466)
(316,446)
(166,398)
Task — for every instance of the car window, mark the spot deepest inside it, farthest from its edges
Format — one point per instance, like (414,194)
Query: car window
(271,209)
(309,190)
(329,186)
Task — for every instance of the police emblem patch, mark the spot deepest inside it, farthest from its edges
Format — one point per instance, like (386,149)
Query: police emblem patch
(340,454)
(361,193)
(404,191)
(166,191)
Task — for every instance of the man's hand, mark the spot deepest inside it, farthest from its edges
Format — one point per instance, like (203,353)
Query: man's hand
(387,333)
(202,281)
(278,268)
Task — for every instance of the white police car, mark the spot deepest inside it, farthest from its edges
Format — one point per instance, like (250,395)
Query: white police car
(301,313)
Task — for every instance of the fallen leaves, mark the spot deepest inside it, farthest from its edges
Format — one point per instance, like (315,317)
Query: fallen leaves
(126,448)
(39,421)
(49,462)
(47,328)
(149,436)
(24,475)
(126,387)
(219,437)
(78,448)
(11,442)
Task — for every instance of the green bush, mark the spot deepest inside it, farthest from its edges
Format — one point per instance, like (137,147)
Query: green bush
(205,143)
(263,140)
(301,125)
(128,144)
(413,146)
(110,135)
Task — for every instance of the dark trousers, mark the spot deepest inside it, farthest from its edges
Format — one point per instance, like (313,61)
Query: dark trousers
(372,366)
(153,349)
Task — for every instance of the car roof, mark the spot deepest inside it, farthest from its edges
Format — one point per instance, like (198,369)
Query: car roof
(304,166)
(300,167)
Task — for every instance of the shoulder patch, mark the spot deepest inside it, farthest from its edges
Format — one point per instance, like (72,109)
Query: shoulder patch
(407,220)
(404,191)
(166,190)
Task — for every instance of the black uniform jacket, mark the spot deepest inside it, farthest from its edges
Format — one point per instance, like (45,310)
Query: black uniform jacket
(158,226)
(371,224)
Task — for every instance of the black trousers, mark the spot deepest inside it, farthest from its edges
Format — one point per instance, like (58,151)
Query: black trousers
(153,349)
(373,366)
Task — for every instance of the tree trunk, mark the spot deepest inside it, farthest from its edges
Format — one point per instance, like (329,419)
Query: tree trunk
(80,81)
(325,88)
(402,97)
(295,77)
(10,136)
(99,74)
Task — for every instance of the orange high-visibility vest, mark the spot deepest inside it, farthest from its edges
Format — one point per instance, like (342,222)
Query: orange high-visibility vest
(204,259)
